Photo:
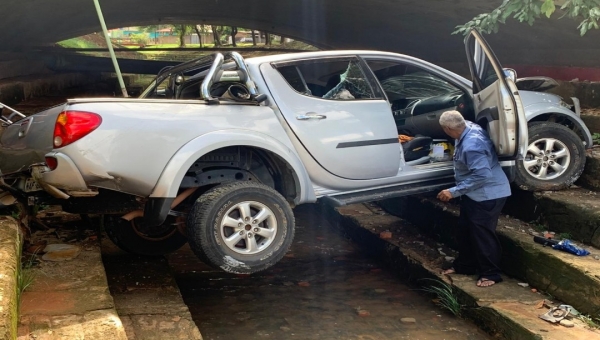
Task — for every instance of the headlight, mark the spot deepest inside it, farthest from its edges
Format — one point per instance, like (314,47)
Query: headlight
(565,105)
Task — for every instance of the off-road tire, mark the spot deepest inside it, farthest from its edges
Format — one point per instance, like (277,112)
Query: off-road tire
(206,235)
(540,131)
(122,233)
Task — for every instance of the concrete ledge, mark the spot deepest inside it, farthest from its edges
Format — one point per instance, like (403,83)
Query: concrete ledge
(13,91)
(69,297)
(590,178)
(9,253)
(587,92)
(574,211)
(572,279)
(506,311)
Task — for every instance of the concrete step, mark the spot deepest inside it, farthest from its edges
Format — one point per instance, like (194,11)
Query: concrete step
(573,212)
(572,279)
(146,296)
(69,296)
(506,310)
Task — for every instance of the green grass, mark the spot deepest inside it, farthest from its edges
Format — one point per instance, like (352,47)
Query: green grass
(446,297)
(565,236)
(596,138)
(589,321)
(25,272)
(77,43)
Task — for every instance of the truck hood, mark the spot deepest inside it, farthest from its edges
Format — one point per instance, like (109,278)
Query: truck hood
(531,98)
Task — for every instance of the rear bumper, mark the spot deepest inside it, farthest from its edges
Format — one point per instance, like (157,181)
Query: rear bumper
(66,176)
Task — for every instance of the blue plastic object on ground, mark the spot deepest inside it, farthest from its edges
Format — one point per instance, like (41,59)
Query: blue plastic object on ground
(566,245)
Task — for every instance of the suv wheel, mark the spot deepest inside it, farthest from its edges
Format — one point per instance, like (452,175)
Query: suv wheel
(241,227)
(136,238)
(555,158)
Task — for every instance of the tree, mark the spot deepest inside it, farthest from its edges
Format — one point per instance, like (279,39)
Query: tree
(267,38)
(234,32)
(217,31)
(254,38)
(181,31)
(199,30)
(588,11)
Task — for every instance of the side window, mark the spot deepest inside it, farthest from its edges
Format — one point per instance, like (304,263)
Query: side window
(484,70)
(335,79)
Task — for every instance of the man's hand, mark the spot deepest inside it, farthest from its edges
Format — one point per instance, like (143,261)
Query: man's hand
(444,195)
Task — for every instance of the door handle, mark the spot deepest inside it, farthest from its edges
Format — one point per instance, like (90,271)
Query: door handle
(310,115)
(431,117)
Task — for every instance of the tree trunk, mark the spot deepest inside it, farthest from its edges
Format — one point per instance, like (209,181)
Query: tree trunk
(267,39)
(182,36)
(234,32)
(281,40)
(253,38)
(199,34)
(216,36)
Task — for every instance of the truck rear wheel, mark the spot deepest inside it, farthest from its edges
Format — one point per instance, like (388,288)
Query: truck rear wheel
(136,238)
(241,227)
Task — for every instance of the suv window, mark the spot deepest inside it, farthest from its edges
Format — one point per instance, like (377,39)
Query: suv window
(334,79)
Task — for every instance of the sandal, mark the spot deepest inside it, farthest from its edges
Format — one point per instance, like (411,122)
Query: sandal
(488,281)
(556,314)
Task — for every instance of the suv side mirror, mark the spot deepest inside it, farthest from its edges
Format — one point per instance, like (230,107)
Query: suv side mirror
(510,73)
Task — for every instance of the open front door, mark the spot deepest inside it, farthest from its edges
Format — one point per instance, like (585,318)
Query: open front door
(497,102)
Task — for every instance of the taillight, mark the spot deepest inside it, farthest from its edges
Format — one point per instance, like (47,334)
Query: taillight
(51,162)
(73,125)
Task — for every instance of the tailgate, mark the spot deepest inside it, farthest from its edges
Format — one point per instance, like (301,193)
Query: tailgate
(26,141)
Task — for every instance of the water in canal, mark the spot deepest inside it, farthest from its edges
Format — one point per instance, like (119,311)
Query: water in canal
(325,288)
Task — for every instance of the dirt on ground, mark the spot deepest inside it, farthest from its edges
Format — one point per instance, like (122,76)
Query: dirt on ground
(591,112)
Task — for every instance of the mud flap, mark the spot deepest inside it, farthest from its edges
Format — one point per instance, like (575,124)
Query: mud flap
(156,210)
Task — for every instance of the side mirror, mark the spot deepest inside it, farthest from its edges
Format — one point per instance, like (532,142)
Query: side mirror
(510,73)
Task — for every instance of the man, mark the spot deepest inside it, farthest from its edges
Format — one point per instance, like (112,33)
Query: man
(483,188)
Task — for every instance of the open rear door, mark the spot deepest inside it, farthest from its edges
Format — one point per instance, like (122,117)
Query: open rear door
(496,99)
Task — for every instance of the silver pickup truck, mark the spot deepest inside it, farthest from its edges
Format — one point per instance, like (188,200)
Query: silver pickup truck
(218,150)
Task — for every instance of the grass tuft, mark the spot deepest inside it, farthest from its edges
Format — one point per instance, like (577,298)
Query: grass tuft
(446,297)
(25,272)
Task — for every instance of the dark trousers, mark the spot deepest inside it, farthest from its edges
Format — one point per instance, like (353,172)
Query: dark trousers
(479,250)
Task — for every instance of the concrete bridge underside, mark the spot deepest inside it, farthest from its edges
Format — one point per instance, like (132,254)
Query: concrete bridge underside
(421,28)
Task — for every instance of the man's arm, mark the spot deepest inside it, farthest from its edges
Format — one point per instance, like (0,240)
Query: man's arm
(480,171)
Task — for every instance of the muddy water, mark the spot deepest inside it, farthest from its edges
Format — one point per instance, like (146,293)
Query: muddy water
(325,288)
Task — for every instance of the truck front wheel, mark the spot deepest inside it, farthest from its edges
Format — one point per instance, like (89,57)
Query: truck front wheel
(241,227)
(555,158)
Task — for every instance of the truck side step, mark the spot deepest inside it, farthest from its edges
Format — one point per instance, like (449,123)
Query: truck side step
(389,192)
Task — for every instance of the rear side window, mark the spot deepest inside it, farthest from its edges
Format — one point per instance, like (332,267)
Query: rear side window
(330,79)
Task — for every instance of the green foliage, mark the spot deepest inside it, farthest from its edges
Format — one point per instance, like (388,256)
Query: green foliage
(446,298)
(537,226)
(596,138)
(567,236)
(589,321)
(140,38)
(588,11)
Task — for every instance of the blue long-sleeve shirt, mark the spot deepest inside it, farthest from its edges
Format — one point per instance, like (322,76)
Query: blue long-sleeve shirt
(476,169)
